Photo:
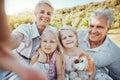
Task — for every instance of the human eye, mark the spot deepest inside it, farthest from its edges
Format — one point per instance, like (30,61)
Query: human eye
(49,13)
(100,27)
(42,11)
(70,35)
(52,41)
(91,26)
(44,41)
(63,38)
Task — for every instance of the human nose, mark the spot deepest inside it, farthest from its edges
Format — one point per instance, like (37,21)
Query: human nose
(48,44)
(45,15)
(67,38)
(94,30)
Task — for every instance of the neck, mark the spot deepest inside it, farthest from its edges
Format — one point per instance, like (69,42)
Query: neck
(94,44)
(71,51)
(40,29)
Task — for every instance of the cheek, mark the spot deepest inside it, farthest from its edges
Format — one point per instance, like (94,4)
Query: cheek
(76,41)
(54,46)
(63,42)
(89,31)
(103,35)
(49,18)
(42,44)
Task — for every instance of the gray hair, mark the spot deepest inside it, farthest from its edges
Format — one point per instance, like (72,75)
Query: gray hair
(43,2)
(103,13)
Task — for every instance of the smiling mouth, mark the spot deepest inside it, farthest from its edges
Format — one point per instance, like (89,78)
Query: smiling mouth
(44,20)
(69,42)
(94,35)
(47,49)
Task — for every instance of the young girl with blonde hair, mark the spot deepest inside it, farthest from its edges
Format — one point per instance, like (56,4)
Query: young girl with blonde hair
(69,41)
(48,57)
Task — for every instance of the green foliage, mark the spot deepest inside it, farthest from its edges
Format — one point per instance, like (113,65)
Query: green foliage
(14,21)
(84,23)
(76,16)
(56,24)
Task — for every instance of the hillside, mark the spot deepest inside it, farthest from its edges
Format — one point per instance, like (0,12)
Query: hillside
(77,16)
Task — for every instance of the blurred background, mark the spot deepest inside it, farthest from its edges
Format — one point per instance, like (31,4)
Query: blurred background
(70,12)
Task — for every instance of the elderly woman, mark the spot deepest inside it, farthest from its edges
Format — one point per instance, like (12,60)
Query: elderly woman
(95,41)
(26,38)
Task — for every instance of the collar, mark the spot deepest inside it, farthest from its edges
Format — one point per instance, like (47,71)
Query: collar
(86,40)
(35,31)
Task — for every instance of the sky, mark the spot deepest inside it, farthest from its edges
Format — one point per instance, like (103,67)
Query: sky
(15,6)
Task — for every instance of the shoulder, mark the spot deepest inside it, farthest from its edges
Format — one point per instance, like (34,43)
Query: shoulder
(23,28)
(60,56)
(112,45)
(82,32)
(112,49)
(80,51)
(52,28)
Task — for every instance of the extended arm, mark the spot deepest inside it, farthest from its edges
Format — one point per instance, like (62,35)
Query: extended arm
(16,39)
(60,67)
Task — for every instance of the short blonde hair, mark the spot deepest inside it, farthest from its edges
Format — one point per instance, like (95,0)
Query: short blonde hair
(43,2)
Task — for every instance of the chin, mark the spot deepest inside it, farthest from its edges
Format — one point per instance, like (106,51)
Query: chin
(70,47)
(44,25)
(93,40)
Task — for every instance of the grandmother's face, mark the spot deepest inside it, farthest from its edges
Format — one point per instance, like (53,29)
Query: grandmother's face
(43,15)
(98,29)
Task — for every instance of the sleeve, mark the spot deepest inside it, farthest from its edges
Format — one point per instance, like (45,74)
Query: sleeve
(81,32)
(23,29)
(114,70)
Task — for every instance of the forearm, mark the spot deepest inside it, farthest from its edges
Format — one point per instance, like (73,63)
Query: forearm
(11,63)
(60,77)
(16,39)
(93,74)
(7,60)
(60,67)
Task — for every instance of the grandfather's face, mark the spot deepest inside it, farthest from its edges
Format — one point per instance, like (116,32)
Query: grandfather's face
(98,29)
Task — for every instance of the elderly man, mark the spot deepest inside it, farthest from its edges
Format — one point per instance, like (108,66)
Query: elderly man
(95,41)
